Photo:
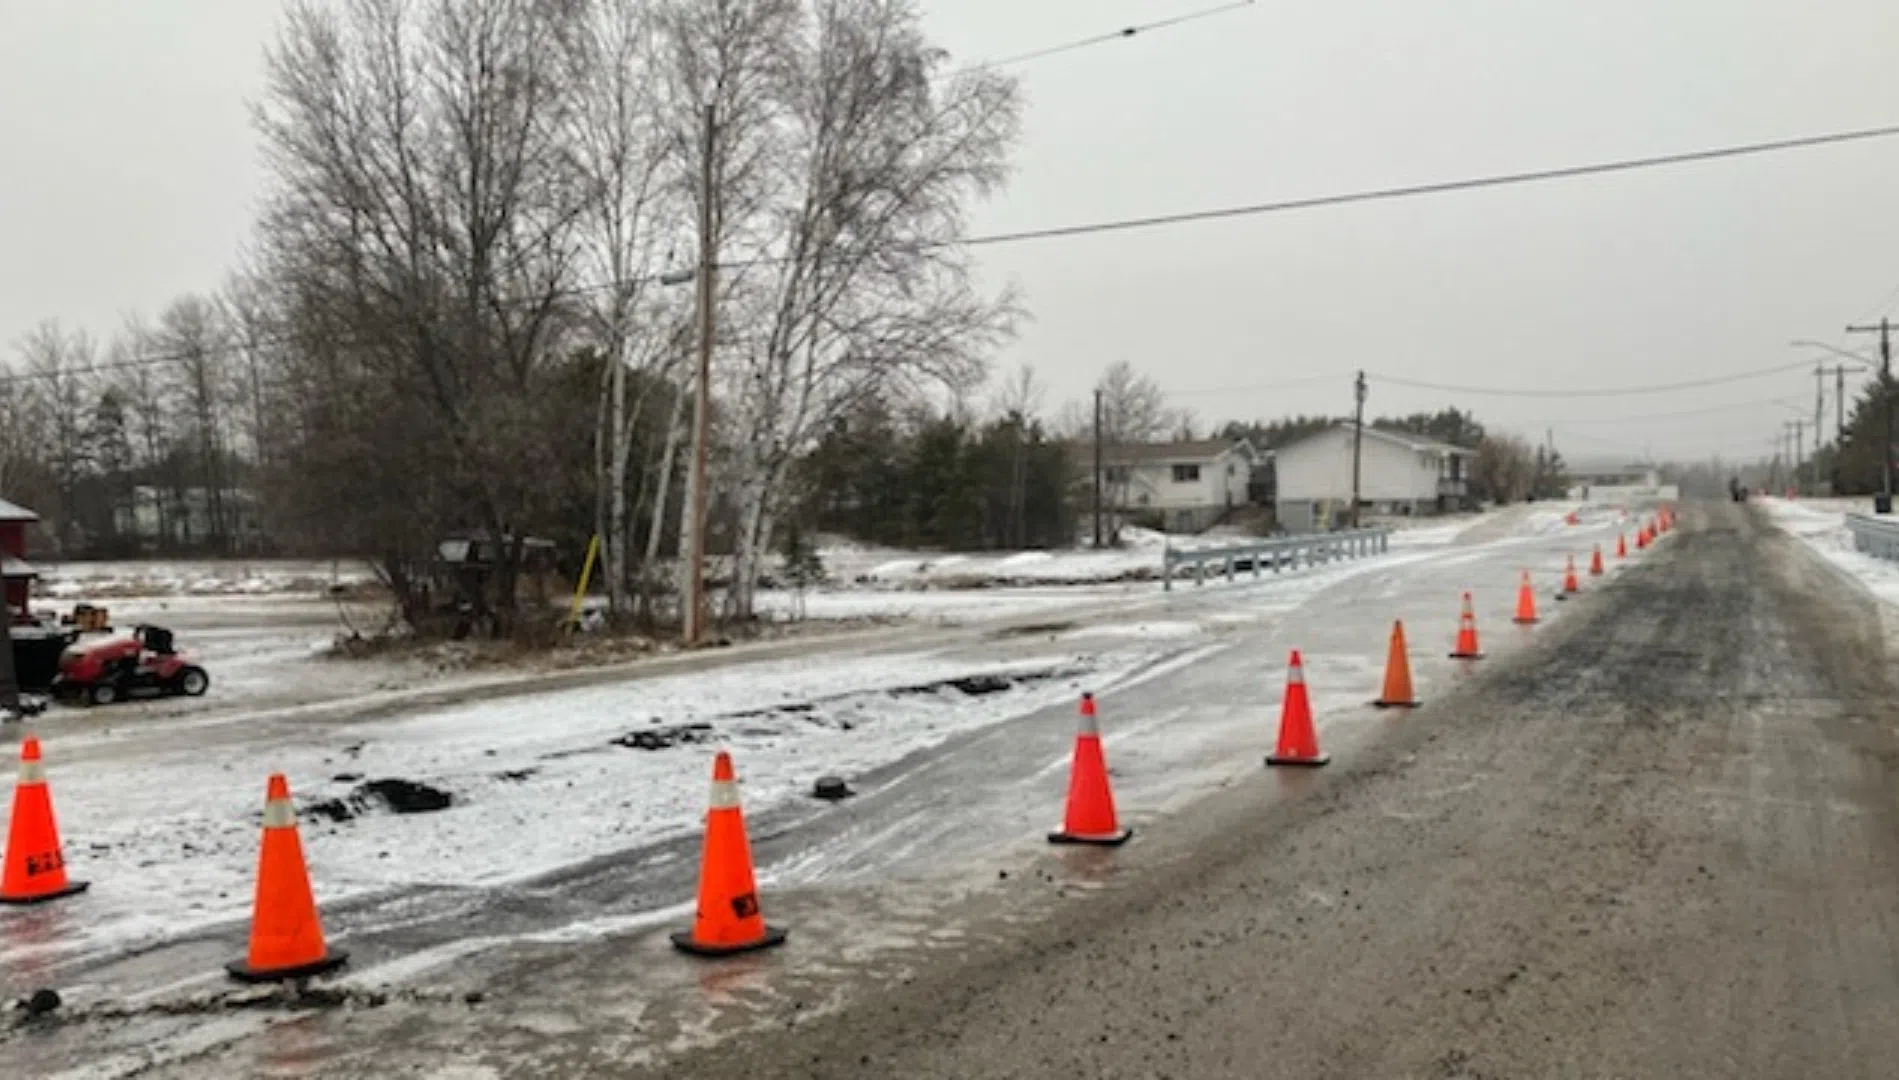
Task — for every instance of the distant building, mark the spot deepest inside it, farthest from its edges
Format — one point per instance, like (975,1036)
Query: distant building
(1617,482)
(16,574)
(167,518)
(1399,474)
(1186,486)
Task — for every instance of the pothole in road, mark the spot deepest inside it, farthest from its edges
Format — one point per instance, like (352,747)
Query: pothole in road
(843,712)
(393,794)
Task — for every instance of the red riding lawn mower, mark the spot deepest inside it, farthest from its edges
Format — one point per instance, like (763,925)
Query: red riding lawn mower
(118,668)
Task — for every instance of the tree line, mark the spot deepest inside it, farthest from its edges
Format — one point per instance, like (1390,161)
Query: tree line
(467,303)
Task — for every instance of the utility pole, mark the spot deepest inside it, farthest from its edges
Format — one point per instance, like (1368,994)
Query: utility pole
(1097,470)
(1884,330)
(1819,415)
(1358,439)
(695,614)
(1794,429)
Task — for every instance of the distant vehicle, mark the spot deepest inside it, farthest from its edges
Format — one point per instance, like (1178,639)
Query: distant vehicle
(114,669)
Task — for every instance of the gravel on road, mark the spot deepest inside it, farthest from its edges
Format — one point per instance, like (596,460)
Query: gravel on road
(1662,843)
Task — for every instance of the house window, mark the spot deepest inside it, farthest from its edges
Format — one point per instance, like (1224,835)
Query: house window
(1115,474)
(1186,474)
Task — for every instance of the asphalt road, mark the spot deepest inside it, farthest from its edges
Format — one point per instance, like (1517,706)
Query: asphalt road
(1661,843)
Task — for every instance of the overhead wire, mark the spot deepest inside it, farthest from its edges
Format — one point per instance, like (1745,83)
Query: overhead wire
(1568,172)
(8,377)
(1591,391)
(1113,35)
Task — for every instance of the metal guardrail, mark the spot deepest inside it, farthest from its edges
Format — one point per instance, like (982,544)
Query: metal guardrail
(1277,554)
(1876,536)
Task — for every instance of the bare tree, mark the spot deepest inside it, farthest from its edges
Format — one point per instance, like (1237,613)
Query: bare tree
(622,150)
(423,216)
(846,190)
(60,366)
(192,340)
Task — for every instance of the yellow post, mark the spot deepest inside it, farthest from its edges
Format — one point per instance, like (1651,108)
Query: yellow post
(586,575)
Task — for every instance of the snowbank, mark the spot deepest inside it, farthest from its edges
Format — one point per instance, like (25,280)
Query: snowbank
(1821,523)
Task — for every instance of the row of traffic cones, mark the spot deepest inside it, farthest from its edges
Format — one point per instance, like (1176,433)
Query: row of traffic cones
(286,936)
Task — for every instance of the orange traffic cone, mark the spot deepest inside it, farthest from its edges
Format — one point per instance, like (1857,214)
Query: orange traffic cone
(1298,741)
(35,867)
(286,937)
(1641,538)
(1570,585)
(1467,634)
(1621,546)
(1398,693)
(1090,817)
(1573,518)
(1526,602)
(1595,562)
(728,920)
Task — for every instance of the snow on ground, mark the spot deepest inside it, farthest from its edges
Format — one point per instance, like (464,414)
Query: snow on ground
(538,782)
(1821,523)
(211,577)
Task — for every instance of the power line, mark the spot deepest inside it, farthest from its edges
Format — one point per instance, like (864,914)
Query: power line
(666,278)
(1595,392)
(1438,188)
(1113,35)
(1374,195)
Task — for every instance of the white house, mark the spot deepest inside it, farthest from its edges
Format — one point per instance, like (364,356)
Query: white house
(1399,473)
(1618,482)
(1188,485)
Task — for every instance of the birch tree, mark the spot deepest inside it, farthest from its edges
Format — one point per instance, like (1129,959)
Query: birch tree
(629,229)
(843,194)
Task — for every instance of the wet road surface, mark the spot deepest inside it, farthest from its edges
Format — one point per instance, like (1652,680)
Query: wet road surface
(924,930)
(1661,844)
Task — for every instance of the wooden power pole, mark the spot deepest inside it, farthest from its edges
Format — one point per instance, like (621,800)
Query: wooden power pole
(1884,330)
(1358,439)
(1097,470)
(695,613)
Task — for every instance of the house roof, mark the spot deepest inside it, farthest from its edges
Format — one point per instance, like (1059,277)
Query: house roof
(15,512)
(1396,438)
(1162,453)
(11,567)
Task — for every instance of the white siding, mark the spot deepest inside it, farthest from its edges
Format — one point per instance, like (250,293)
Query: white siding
(1152,485)
(1320,467)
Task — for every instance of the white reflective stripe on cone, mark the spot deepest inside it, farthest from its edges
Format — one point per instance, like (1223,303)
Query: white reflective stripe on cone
(279,814)
(1089,725)
(32,772)
(724,795)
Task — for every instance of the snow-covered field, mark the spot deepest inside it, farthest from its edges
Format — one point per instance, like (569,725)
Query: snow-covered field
(68,581)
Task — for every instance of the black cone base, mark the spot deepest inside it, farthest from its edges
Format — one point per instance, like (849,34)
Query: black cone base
(1114,839)
(1305,762)
(242,971)
(1382,704)
(684,943)
(72,888)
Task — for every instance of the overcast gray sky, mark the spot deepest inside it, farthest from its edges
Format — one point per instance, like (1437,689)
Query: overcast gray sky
(130,175)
